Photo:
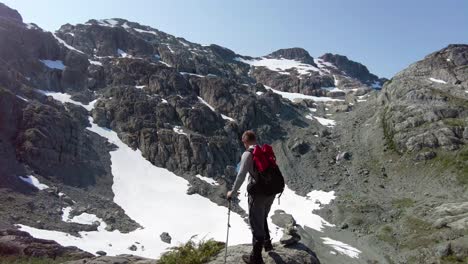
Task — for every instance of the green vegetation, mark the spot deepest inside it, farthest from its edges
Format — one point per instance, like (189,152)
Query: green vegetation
(456,162)
(386,234)
(452,259)
(454,122)
(32,260)
(388,132)
(192,253)
(420,235)
(403,203)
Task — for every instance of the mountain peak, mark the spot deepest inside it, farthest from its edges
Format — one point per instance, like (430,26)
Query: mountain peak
(9,13)
(351,68)
(296,53)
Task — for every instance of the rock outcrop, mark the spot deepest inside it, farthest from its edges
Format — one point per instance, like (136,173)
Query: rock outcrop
(18,243)
(295,254)
(425,106)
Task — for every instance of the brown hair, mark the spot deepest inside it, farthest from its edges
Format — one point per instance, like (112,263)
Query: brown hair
(249,136)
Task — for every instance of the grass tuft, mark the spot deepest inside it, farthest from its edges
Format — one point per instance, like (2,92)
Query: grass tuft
(192,253)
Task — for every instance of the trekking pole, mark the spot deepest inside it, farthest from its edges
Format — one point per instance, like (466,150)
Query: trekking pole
(228,226)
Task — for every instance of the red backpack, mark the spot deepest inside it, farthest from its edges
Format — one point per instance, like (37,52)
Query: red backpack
(269,178)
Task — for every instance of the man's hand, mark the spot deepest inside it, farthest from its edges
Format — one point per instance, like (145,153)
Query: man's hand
(229,195)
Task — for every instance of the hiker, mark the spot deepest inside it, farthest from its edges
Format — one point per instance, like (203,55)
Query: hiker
(261,194)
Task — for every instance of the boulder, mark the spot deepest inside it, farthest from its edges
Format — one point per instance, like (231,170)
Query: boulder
(343,156)
(459,248)
(165,237)
(290,236)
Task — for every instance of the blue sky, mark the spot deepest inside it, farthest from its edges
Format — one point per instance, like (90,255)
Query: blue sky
(385,35)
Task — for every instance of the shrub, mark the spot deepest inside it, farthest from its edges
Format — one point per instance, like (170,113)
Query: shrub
(192,252)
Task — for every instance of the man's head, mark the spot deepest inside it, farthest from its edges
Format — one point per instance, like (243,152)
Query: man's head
(249,138)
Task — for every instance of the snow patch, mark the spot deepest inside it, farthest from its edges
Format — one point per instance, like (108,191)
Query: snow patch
(31,26)
(225,117)
(192,74)
(146,31)
(184,43)
(66,98)
(332,89)
(376,85)
(31,180)
(437,80)
(206,103)
(170,49)
(321,120)
(54,64)
(297,96)
(122,53)
(22,98)
(140,86)
(165,63)
(342,247)
(206,179)
(179,130)
(98,63)
(108,22)
(84,218)
(61,41)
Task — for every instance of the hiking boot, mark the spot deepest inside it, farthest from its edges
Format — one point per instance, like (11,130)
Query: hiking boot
(255,256)
(267,245)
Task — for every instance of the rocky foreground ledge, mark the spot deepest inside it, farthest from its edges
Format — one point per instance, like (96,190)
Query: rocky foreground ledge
(295,254)
(21,244)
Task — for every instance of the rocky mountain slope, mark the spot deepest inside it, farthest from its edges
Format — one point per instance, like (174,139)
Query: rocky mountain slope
(396,159)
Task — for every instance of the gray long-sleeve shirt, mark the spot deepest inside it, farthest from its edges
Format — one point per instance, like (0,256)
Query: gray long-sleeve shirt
(246,165)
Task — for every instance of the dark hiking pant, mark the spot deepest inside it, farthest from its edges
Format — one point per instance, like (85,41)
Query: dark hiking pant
(259,207)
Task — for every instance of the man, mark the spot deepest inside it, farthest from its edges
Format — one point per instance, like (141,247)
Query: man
(259,204)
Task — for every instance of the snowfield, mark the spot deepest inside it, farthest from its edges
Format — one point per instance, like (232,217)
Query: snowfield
(156,198)
(298,96)
(281,65)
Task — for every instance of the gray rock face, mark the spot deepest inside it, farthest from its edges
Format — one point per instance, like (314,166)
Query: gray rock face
(352,68)
(453,215)
(425,106)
